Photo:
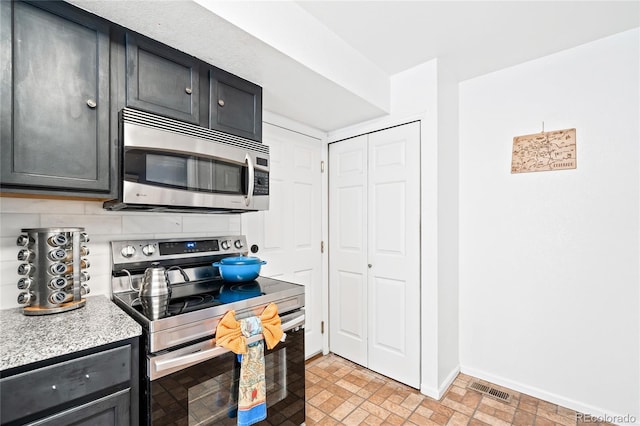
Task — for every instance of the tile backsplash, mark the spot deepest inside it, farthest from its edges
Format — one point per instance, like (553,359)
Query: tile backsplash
(102,226)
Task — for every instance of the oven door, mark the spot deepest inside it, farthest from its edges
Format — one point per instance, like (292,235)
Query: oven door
(198,385)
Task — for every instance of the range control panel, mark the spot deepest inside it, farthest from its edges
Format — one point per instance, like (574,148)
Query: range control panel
(132,251)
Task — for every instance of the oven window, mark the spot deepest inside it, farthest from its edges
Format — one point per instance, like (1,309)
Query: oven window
(214,401)
(185,172)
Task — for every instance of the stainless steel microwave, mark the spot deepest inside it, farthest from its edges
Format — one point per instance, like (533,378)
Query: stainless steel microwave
(169,165)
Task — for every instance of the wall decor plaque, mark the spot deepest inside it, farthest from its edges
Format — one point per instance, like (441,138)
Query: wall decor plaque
(545,151)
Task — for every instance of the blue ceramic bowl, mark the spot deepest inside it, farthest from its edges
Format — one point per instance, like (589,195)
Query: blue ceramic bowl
(240,260)
(239,272)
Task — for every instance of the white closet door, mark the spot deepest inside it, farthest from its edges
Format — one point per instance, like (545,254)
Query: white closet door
(374,251)
(394,253)
(290,232)
(347,249)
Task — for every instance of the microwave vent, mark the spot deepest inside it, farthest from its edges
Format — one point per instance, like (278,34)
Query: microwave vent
(134,116)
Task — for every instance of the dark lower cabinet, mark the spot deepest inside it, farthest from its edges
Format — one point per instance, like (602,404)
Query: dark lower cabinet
(96,387)
(54,98)
(162,80)
(106,411)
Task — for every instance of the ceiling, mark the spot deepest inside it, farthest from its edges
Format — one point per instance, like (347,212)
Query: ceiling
(328,64)
(476,36)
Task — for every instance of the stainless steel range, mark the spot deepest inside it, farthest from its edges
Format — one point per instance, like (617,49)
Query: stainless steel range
(186,378)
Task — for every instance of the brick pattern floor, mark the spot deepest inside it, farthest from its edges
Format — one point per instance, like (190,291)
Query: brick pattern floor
(339,392)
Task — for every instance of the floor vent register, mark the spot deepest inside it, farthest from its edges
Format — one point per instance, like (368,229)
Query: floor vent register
(492,392)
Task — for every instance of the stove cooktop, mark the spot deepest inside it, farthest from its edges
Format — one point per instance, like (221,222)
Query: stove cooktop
(196,304)
(189,298)
(192,313)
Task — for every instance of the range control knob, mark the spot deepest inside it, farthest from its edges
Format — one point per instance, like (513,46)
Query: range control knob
(238,244)
(225,245)
(148,250)
(128,251)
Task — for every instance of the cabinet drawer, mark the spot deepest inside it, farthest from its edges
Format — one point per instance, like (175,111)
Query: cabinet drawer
(28,393)
(110,410)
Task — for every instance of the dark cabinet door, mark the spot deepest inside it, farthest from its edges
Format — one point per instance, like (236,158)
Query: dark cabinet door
(236,105)
(162,80)
(111,410)
(54,107)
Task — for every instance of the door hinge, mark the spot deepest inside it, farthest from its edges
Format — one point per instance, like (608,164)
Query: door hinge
(322,167)
(321,246)
(321,327)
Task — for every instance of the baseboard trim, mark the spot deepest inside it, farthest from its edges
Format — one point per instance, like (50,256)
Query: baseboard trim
(548,396)
(438,393)
(448,381)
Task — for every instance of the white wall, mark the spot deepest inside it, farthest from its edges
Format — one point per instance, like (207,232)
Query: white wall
(101,225)
(448,233)
(549,261)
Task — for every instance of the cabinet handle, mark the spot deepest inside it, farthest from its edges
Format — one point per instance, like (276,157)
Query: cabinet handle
(53,387)
(188,90)
(221,102)
(370,266)
(86,376)
(92,103)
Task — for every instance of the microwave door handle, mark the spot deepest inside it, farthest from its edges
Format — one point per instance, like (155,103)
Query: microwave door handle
(251,177)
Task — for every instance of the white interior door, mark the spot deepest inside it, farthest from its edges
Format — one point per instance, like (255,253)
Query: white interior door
(290,232)
(374,251)
(348,249)
(394,253)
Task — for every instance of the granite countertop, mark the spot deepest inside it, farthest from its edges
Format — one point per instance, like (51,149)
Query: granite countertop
(26,339)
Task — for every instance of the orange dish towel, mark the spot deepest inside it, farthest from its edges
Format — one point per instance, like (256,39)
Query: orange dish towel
(232,334)
(229,335)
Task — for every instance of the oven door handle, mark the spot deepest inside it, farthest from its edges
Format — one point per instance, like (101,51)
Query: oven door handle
(159,367)
(298,321)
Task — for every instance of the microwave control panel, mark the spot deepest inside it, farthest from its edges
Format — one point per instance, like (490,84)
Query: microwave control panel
(261,183)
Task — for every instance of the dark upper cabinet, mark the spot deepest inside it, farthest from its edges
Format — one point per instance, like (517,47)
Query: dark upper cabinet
(235,105)
(65,74)
(54,98)
(162,80)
